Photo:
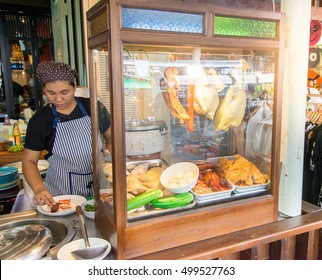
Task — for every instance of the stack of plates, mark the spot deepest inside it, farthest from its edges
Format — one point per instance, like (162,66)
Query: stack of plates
(42,166)
(9,177)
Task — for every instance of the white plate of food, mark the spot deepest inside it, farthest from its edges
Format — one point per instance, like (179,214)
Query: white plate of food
(64,252)
(67,205)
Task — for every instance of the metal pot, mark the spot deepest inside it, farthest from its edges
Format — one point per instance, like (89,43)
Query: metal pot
(144,136)
(29,242)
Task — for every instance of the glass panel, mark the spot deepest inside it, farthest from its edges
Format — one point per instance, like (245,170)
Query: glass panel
(229,26)
(200,105)
(162,21)
(102,89)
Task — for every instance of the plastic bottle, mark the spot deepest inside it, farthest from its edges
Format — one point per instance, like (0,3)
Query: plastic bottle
(16,134)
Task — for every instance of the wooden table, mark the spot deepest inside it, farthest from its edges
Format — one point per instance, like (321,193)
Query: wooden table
(9,157)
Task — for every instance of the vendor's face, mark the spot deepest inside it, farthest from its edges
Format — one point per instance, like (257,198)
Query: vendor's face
(61,94)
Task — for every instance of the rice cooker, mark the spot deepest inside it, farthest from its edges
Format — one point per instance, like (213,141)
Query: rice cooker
(144,136)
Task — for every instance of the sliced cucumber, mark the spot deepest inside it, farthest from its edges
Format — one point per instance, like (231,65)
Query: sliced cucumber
(143,199)
(177,200)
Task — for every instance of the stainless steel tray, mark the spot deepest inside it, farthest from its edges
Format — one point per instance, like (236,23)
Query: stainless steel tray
(244,189)
(152,163)
(150,212)
(239,189)
(251,193)
(213,195)
(215,160)
(214,200)
(232,197)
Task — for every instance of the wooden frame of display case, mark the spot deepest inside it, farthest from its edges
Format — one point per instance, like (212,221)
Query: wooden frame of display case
(130,240)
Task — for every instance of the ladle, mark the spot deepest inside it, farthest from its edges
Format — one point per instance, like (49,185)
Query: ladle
(88,252)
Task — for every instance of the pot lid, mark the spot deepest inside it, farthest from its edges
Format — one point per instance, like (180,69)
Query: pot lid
(29,242)
(144,124)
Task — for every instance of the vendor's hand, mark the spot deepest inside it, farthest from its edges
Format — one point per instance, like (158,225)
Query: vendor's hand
(44,197)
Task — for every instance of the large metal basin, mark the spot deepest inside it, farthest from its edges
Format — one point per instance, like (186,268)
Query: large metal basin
(61,230)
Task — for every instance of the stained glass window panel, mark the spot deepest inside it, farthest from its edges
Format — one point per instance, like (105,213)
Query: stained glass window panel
(229,26)
(162,20)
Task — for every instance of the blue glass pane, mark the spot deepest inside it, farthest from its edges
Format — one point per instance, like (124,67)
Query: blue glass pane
(162,21)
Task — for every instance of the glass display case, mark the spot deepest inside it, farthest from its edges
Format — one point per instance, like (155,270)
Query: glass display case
(194,83)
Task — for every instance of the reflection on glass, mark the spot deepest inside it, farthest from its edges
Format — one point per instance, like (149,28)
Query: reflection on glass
(161,20)
(245,27)
(103,172)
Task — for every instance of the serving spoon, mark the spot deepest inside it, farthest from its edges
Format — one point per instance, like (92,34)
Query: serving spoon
(88,252)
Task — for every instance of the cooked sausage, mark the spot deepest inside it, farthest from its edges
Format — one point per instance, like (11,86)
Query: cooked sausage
(55,208)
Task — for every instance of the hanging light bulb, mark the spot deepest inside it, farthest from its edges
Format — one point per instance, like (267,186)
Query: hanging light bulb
(195,69)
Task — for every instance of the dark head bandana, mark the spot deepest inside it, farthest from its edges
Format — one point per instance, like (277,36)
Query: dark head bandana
(50,71)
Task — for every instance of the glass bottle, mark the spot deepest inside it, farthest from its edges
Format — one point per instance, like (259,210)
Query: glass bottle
(16,135)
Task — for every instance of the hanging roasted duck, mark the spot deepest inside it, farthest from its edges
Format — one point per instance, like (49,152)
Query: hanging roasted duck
(231,110)
(206,94)
(170,87)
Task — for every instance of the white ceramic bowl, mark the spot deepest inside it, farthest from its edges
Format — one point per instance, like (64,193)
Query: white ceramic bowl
(180,177)
(88,214)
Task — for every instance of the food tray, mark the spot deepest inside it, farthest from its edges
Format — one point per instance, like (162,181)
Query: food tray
(251,193)
(214,200)
(152,163)
(150,212)
(213,195)
(244,189)
(232,197)
(240,189)
(215,160)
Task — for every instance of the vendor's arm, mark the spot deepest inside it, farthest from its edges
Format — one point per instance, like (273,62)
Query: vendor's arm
(32,176)
(107,138)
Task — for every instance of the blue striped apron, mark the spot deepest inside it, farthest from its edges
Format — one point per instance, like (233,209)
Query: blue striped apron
(70,168)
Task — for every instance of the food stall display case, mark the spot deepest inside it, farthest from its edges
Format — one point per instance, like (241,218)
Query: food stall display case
(184,82)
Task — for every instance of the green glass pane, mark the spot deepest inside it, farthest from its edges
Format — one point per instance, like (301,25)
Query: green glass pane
(228,26)
(136,83)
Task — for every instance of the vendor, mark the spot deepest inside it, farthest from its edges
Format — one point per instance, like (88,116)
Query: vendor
(63,128)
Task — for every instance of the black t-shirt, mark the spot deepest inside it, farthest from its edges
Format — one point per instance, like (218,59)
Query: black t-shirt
(41,134)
